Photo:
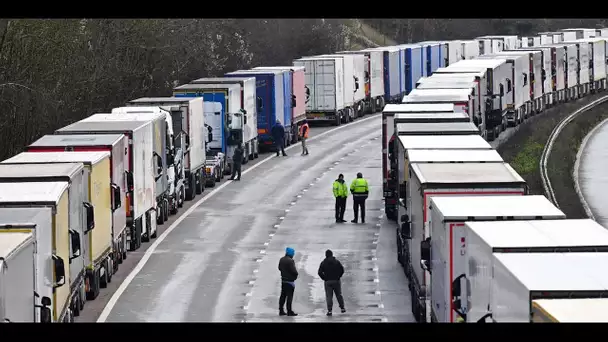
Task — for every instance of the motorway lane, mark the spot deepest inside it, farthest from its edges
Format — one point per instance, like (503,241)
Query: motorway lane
(592,176)
(94,308)
(374,286)
(204,269)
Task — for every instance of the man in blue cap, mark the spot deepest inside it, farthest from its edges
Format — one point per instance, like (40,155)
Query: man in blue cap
(289,274)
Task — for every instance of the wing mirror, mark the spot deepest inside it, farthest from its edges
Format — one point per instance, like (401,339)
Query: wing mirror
(425,254)
(406,227)
(90,212)
(75,242)
(116,201)
(59,267)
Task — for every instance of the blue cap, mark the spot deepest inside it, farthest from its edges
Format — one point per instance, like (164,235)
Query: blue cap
(290,251)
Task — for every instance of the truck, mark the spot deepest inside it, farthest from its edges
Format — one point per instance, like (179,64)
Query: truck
(568,54)
(521,278)
(582,66)
(453,156)
(273,101)
(596,62)
(373,78)
(483,239)
(571,34)
(542,71)
(17,275)
(558,70)
(117,146)
(73,174)
(494,95)
(141,175)
(416,58)
(518,85)
(325,102)
(392,61)
(297,78)
(230,123)
(435,56)
(462,99)
(443,254)
(500,43)
(188,116)
(160,137)
(388,126)
(357,63)
(571,310)
(452,51)
(433,127)
(470,50)
(527,42)
(93,190)
(45,208)
(172,155)
(432,180)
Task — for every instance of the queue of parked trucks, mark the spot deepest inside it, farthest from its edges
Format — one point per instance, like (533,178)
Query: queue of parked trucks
(75,203)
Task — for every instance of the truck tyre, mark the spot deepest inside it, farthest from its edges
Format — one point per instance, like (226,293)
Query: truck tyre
(219,176)
(110,271)
(166,211)
(182,197)
(198,183)
(81,299)
(103,280)
(338,118)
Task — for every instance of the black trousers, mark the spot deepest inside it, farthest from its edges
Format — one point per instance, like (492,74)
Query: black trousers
(280,146)
(331,287)
(286,294)
(340,207)
(359,202)
(236,168)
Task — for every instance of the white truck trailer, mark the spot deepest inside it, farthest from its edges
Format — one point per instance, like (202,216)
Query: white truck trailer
(583,67)
(597,62)
(435,128)
(494,95)
(330,97)
(171,154)
(95,191)
(160,137)
(577,33)
(373,78)
(358,79)
(470,50)
(17,275)
(143,170)
(572,310)
(541,90)
(388,145)
(443,255)
(472,293)
(565,58)
(46,208)
(405,145)
(432,180)
(74,174)
(462,99)
(117,145)
(189,123)
(518,85)
(521,278)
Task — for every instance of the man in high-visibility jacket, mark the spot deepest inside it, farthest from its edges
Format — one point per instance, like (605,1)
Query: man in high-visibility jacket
(341,194)
(360,189)
(304,129)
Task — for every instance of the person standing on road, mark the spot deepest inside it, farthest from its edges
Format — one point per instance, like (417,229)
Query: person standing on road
(278,135)
(330,271)
(360,189)
(341,194)
(237,161)
(304,129)
(289,274)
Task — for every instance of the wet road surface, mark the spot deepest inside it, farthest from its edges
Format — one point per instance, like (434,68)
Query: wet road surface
(593,173)
(220,262)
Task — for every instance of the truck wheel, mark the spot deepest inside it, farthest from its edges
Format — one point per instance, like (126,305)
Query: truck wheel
(182,197)
(81,299)
(218,176)
(198,184)
(337,118)
(110,269)
(166,207)
(190,192)
(103,281)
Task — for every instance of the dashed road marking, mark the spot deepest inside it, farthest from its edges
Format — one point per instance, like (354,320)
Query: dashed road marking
(262,252)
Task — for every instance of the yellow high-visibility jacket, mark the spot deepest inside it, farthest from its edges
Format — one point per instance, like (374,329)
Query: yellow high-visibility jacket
(340,189)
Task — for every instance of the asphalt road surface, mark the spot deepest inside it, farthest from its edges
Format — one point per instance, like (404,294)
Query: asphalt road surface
(217,260)
(593,173)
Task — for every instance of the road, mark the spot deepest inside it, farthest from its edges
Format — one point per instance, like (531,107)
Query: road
(592,174)
(218,260)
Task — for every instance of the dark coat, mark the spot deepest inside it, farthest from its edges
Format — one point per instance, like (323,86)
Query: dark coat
(278,132)
(288,269)
(237,156)
(331,269)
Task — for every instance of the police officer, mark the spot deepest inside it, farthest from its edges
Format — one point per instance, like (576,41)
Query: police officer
(341,194)
(360,189)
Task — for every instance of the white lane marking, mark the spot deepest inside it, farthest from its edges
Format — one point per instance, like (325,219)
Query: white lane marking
(140,265)
(266,243)
(276,226)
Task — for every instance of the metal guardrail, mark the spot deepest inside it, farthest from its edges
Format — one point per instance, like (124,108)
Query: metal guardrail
(544,158)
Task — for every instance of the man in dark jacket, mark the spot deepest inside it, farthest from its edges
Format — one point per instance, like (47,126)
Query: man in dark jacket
(278,135)
(237,161)
(331,270)
(289,274)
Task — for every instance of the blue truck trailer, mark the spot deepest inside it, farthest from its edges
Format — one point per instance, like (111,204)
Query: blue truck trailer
(434,56)
(414,60)
(272,100)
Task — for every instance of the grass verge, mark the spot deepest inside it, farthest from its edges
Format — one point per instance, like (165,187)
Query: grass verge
(524,148)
